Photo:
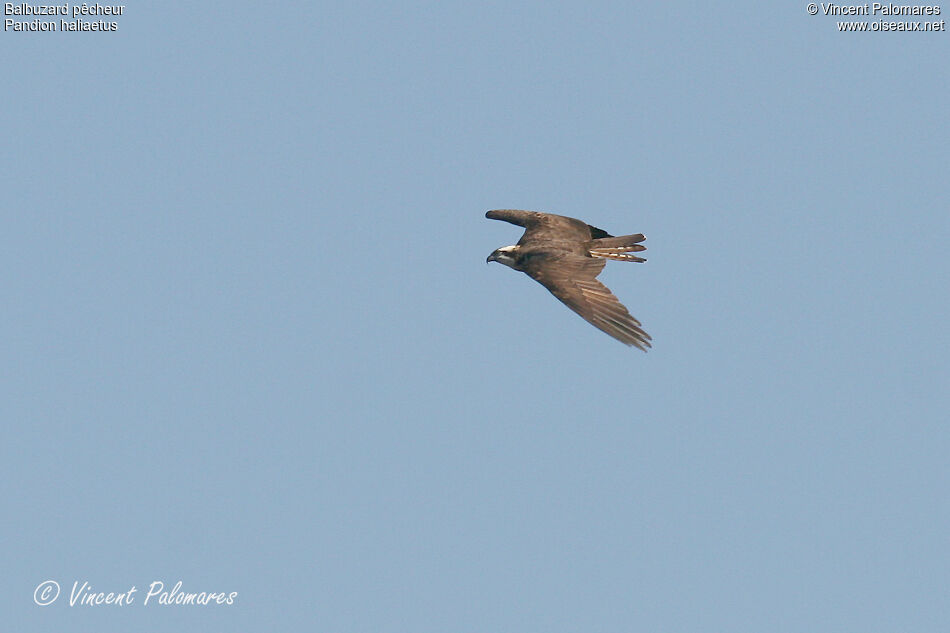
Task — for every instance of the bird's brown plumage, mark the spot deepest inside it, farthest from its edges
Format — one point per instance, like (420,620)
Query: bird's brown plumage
(565,255)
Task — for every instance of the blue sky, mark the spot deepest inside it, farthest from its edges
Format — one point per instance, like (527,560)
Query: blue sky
(253,345)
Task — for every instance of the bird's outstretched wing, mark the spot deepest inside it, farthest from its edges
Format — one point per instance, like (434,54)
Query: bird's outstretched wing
(548,226)
(573,279)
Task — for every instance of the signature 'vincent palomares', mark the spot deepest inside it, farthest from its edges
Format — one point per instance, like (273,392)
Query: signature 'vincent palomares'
(565,255)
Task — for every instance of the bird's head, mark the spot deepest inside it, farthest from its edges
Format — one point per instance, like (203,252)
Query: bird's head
(503,255)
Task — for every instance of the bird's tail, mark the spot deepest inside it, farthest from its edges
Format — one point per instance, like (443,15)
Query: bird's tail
(618,247)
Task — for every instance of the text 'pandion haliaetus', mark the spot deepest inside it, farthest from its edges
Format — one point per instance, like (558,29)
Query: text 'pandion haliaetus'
(565,256)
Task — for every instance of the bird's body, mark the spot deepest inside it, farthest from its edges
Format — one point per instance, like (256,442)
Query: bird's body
(565,255)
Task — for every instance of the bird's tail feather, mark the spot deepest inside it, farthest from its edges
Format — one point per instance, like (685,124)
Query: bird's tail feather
(618,247)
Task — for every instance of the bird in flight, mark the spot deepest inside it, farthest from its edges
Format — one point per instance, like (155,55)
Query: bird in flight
(565,255)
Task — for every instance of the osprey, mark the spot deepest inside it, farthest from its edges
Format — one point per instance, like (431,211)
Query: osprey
(565,255)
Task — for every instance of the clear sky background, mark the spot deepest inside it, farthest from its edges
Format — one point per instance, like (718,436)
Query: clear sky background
(251,342)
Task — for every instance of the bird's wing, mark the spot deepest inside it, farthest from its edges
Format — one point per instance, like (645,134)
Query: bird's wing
(572,279)
(547,226)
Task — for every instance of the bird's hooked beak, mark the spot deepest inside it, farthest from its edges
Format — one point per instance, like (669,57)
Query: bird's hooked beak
(503,255)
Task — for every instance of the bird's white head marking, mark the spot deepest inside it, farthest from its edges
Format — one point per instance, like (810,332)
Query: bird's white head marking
(504,255)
